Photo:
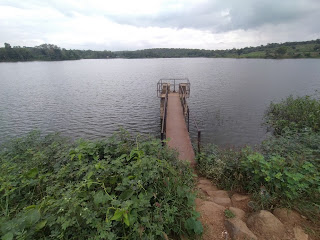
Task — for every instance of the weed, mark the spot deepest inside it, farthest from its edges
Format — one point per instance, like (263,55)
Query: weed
(229,214)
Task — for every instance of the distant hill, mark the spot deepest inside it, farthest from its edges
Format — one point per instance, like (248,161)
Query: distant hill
(50,52)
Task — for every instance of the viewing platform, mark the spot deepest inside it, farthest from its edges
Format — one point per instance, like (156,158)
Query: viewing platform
(175,117)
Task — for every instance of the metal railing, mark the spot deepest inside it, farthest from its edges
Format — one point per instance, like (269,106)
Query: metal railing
(164,119)
(186,112)
(172,83)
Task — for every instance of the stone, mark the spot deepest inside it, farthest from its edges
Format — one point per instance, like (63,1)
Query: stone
(212,218)
(238,230)
(238,197)
(207,188)
(240,201)
(205,182)
(223,201)
(239,213)
(287,216)
(299,234)
(219,193)
(266,224)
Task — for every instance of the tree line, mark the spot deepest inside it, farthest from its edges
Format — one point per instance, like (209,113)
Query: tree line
(50,52)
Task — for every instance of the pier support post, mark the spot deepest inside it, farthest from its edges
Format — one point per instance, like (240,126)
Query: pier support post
(199,141)
(188,119)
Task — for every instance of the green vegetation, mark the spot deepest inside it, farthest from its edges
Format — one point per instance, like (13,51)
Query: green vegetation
(49,52)
(119,188)
(229,214)
(285,169)
(294,114)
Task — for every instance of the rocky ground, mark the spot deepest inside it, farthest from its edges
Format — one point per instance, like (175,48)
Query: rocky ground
(212,203)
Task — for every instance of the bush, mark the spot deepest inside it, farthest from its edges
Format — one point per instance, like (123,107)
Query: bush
(274,178)
(119,188)
(285,169)
(294,114)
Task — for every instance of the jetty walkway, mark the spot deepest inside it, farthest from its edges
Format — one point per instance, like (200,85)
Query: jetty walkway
(175,116)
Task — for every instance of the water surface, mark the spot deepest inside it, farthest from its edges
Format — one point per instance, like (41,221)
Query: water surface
(93,98)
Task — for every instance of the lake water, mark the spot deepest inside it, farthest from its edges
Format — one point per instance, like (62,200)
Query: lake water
(93,98)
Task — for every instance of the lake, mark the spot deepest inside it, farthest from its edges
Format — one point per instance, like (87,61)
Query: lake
(93,98)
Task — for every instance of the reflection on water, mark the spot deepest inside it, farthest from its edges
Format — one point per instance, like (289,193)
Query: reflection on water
(93,98)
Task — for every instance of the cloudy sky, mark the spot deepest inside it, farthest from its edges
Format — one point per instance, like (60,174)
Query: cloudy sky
(140,24)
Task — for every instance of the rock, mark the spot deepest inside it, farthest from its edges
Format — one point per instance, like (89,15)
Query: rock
(238,212)
(212,218)
(299,234)
(287,216)
(219,193)
(240,201)
(238,229)
(223,201)
(266,224)
(205,182)
(238,197)
(207,188)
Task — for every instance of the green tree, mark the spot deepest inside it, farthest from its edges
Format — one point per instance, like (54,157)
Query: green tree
(7,46)
(282,50)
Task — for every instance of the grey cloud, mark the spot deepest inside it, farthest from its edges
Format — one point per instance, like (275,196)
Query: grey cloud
(245,14)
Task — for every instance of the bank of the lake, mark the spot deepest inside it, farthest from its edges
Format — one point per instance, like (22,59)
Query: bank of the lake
(50,52)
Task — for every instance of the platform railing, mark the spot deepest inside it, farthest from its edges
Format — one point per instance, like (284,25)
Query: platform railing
(173,83)
(186,112)
(164,119)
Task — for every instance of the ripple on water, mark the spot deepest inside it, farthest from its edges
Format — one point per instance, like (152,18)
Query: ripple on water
(93,98)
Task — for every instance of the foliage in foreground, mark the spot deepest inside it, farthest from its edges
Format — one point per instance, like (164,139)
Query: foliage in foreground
(285,170)
(114,189)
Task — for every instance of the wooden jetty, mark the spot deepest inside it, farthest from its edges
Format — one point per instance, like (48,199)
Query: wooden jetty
(175,117)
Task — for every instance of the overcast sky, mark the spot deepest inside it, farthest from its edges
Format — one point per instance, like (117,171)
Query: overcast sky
(140,24)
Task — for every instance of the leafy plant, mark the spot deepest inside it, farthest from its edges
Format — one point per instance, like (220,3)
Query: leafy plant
(118,188)
(294,114)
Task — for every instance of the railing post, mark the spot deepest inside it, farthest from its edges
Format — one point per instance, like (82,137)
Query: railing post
(199,141)
(188,119)
(162,139)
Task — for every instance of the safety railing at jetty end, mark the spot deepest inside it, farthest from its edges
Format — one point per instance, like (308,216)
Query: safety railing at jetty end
(183,94)
(173,85)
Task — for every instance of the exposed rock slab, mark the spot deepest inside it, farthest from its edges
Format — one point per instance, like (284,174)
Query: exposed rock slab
(240,201)
(212,219)
(223,201)
(219,193)
(238,230)
(287,216)
(299,234)
(207,189)
(239,213)
(205,181)
(266,224)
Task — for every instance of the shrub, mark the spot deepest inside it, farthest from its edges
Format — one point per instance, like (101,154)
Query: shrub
(119,188)
(285,168)
(275,178)
(294,114)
